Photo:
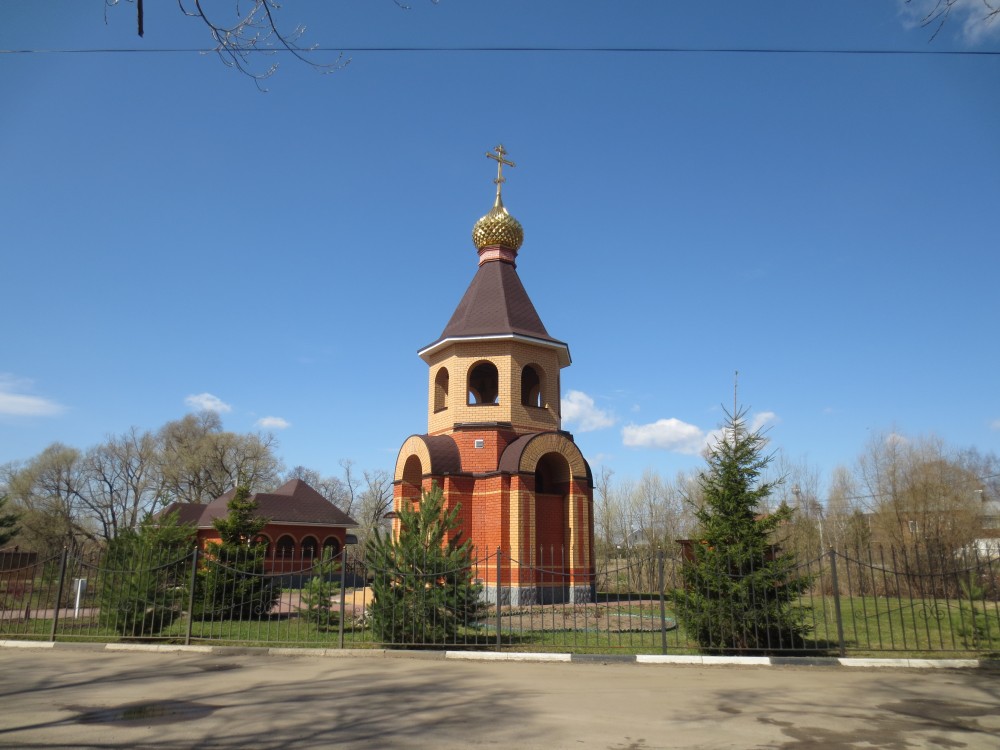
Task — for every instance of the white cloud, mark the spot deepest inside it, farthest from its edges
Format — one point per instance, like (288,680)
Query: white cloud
(207,402)
(670,434)
(680,437)
(762,419)
(969,16)
(995,424)
(579,408)
(15,403)
(273,423)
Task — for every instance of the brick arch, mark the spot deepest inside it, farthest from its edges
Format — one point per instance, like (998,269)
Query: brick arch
(332,546)
(438,455)
(309,546)
(523,455)
(285,546)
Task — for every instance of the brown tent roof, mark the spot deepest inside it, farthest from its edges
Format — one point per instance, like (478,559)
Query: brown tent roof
(496,304)
(293,502)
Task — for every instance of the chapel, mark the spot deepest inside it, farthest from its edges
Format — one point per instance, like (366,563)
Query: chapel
(494,442)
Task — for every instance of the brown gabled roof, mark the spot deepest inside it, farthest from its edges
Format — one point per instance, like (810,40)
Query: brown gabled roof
(496,304)
(187,513)
(293,502)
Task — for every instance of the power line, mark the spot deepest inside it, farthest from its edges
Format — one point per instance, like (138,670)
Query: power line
(879,495)
(561,50)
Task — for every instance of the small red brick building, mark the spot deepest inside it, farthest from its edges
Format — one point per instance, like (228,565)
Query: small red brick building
(302,524)
(494,442)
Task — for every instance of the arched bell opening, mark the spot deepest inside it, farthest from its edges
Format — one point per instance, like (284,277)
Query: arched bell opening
(441,390)
(484,384)
(531,386)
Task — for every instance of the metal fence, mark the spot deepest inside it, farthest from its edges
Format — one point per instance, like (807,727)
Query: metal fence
(861,602)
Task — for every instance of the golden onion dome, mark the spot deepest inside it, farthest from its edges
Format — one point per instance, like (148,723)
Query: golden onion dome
(498,227)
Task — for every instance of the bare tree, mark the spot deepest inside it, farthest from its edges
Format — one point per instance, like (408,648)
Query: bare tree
(351,485)
(921,497)
(691,495)
(374,503)
(121,481)
(848,525)
(47,489)
(199,461)
(604,512)
(804,533)
(252,33)
(934,14)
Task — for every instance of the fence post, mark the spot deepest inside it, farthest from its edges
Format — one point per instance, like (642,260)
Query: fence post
(59,593)
(663,605)
(343,596)
(191,587)
(499,553)
(836,601)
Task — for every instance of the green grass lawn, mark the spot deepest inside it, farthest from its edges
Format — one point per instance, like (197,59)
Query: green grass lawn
(872,626)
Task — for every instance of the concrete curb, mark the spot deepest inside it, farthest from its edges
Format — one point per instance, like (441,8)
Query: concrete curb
(506,656)
(515,656)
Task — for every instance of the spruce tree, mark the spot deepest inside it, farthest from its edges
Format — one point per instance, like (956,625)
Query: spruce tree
(740,588)
(423,588)
(145,576)
(232,584)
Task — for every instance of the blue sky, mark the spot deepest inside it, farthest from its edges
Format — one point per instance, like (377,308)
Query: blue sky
(823,223)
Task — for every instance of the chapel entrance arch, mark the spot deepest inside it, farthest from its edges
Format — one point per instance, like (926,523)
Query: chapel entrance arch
(552,483)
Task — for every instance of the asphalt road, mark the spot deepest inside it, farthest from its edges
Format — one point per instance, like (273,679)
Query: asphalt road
(84,698)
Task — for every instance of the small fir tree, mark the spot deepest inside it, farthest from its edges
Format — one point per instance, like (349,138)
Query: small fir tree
(145,577)
(975,626)
(8,523)
(232,584)
(740,589)
(423,588)
(318,593)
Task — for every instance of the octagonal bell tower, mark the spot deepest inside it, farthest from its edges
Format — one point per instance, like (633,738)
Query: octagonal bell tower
(494,442)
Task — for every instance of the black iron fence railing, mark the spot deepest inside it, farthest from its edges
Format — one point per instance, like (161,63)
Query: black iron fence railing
(856,602)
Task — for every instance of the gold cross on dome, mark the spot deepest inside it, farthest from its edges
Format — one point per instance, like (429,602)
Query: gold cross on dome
(498,157)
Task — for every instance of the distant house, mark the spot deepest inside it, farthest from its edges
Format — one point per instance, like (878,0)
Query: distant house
(301,524)
(988,541)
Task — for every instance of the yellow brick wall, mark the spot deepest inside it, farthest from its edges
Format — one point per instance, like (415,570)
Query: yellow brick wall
(509,357)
